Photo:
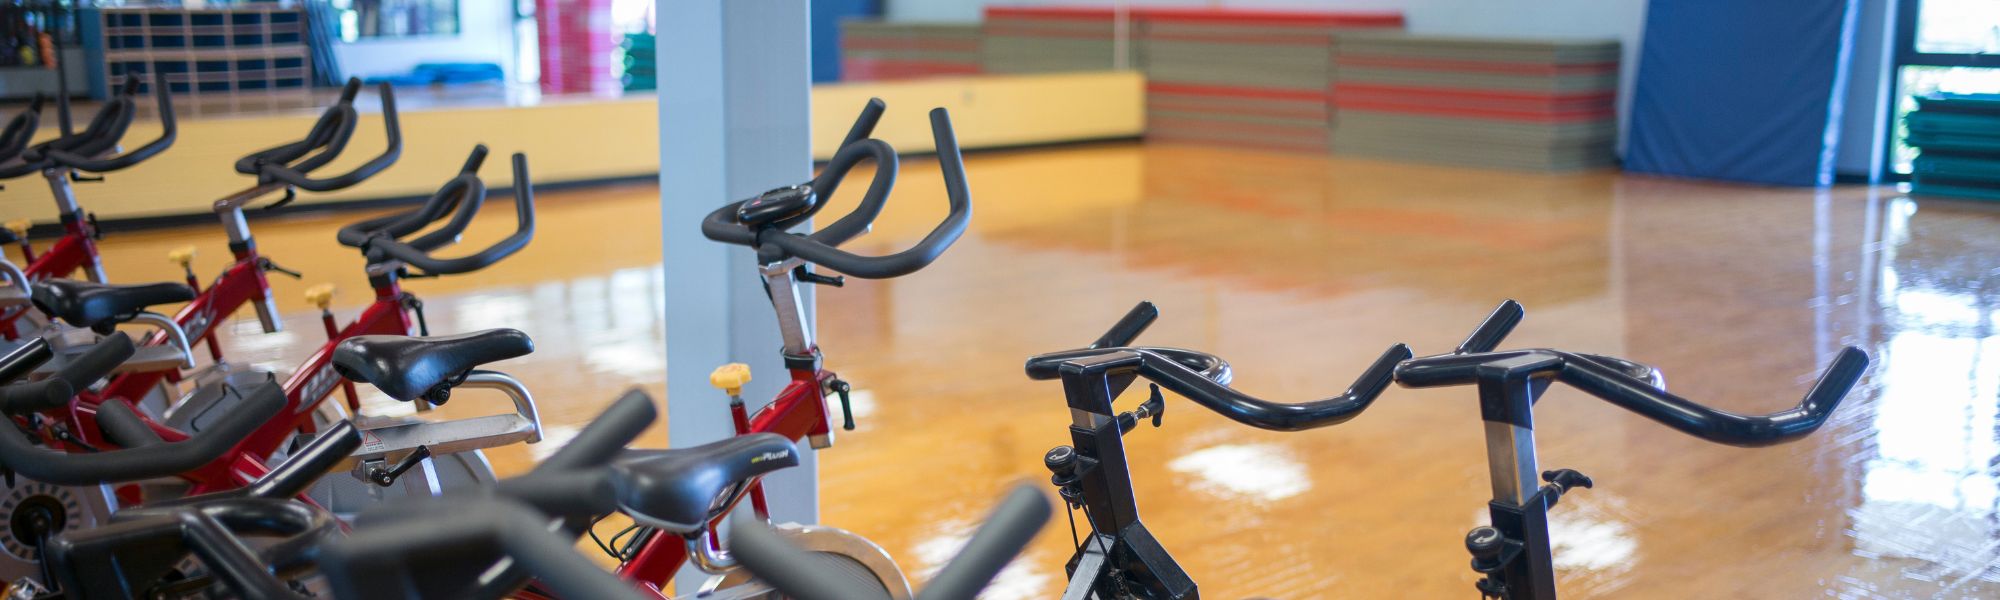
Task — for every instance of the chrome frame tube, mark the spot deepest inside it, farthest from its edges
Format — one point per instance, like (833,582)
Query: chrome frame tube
(1510,458)
(706,557)
(524,402)
(16,276)
(175,335)
(784,292)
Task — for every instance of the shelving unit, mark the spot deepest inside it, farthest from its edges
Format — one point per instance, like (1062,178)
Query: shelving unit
(216,52)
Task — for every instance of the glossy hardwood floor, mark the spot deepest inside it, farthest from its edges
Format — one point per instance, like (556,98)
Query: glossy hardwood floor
(1300,269)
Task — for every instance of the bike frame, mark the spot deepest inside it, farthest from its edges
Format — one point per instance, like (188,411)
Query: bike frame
(244,283)
(77,249)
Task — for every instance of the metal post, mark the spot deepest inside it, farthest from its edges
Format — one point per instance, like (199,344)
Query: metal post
(735,116)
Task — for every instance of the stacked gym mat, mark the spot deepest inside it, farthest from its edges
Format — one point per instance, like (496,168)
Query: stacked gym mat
(873,50)
(1958,136)
(1047,39)
(641,70)
(1244,77)
(1544,105)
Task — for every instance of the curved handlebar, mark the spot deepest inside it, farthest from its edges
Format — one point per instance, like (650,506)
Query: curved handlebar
(416,255)
(112,561)
(82,159)
(22,455)
(329,136)
(822,247)
(452,196)
(1615,383)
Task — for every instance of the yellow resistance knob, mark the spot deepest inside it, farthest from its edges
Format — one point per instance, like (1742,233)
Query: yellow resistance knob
(730,377)
(320,295)
(181,256)
(20,227)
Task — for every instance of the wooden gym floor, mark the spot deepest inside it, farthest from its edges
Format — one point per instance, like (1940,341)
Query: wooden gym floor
(1299,269)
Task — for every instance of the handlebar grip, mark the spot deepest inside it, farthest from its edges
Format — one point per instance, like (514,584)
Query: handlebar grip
(1006,533)
(864,125)
(1719,426)
(350,90)
(62,468)
(123,427)
(308,464)
(98,362)
(1128,327)
(1494,329)
(789,569)
(606,435)
(814,248)
(26,398)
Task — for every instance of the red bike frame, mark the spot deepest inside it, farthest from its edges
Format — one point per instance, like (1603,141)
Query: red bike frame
(798,413)
(77,249)
(244,283)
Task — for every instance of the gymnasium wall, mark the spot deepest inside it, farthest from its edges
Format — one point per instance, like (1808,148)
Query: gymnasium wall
(1622,19)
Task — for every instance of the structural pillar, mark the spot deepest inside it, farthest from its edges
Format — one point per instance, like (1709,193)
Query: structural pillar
(734,91)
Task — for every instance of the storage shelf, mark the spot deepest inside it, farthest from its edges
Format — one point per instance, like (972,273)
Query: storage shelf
(210,51)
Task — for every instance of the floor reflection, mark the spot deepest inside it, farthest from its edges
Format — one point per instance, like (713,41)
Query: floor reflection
(1299,270)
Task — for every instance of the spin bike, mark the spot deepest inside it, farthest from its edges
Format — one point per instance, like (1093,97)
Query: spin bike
(1120,558)
(63,160)
(661,544)
(1513,554)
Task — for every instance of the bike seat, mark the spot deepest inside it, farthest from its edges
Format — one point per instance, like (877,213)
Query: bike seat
(407,368)
(680,490)
(86,304)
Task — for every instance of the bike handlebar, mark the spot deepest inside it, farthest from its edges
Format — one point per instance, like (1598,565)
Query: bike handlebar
(775,244)
(329,137)
(416,253)
(82,159)
(22,455)
(452,196)
(1204,378)
(77,374)
(1615,382)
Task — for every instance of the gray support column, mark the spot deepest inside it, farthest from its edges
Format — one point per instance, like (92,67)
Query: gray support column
(735,85)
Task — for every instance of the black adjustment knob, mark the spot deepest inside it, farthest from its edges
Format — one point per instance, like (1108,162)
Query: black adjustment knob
(1486,545)
(1060,460)
(1567,479)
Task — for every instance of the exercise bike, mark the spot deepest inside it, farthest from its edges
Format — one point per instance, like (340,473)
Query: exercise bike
(1512,555)
(62,160)
(656,549)
(1119,557)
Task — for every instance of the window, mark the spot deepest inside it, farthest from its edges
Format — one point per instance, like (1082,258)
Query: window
(365,19)
(1942,46)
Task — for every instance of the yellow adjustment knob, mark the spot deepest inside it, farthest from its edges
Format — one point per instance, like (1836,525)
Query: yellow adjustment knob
(181,256)
(320,295)
(20,227)
(730,377)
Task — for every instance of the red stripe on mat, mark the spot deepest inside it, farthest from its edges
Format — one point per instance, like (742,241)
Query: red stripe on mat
(856,43)
(1153,104)
(1231,91)
(1475,66)
(1477,113)
(1470,94)
(1170,123)
(1204,15)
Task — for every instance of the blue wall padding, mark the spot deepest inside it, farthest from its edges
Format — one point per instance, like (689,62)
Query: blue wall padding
(826,17)
(1744,90)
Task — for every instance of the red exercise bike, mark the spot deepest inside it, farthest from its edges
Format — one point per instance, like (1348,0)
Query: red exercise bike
(63,160)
